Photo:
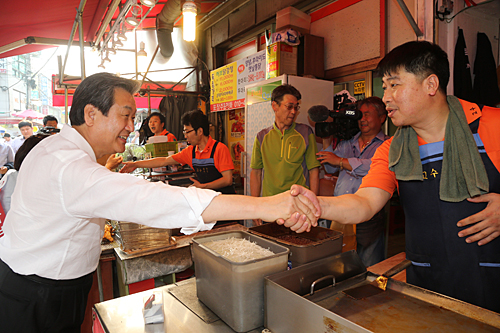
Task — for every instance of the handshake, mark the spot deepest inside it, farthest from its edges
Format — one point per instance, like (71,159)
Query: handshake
(300,207)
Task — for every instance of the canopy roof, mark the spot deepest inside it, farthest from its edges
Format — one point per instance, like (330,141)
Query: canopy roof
(51,22)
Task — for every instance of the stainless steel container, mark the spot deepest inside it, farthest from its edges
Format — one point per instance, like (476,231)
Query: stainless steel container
(310,299)
(235,290)
(304,247)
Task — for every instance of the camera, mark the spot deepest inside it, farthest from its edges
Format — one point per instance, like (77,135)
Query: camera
(345,118)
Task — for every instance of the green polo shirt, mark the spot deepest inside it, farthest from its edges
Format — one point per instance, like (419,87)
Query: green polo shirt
(286,158)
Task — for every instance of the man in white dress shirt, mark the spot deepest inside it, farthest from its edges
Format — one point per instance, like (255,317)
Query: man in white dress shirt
(6,158)
(7,138)
(26,128)
(51,243)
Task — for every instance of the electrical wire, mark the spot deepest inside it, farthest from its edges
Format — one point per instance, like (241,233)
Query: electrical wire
(32,76)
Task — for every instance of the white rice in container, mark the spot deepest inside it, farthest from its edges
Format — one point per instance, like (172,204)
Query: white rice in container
(238,249)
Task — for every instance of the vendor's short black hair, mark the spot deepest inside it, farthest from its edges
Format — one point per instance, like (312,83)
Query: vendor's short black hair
(420,58)
(196,119)
(24,123)
(6,135)
(160,116)
(98,90)
(48,118)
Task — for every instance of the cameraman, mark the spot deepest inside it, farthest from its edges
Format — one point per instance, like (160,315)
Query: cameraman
(352,158)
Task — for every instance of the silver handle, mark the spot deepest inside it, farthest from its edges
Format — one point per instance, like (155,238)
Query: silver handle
(320,280)
(243,164)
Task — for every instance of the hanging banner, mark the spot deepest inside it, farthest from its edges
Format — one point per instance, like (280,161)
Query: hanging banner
(236,138)
(227,83)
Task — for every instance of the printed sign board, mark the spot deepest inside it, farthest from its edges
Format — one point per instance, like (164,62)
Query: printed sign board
(227,83)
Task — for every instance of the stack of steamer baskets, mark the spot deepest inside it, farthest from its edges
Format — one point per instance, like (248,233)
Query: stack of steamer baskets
(233,289)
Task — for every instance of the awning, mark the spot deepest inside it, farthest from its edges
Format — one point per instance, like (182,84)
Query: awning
(141,102)
(50,22)
(52,19)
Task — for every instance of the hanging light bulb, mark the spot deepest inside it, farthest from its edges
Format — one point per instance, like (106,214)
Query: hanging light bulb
(107,57)
(148,3)
(102,62)
(136,10)
(118,43)
(121,36)
(142,51)
(112,49)
(189,11)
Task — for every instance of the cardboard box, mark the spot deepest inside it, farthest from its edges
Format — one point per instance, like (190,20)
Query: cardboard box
(161,148)
(294,18)
(281,58)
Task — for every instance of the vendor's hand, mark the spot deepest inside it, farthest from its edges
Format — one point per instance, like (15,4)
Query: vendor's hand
(3,170)
(485,225)
(128,167)
(328,157)
(257,222)
(196,183)
(309,210)
(113,161)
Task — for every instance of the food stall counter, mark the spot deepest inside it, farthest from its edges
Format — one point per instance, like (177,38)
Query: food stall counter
(124,314)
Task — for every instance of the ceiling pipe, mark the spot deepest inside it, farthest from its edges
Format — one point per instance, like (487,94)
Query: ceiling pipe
(165,26)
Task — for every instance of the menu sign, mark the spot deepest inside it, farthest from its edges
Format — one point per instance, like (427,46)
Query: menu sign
(227,83)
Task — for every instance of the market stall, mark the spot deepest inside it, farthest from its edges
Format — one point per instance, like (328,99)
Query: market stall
(183,312)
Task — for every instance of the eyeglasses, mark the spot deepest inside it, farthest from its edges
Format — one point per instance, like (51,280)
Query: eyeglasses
(186,132)
(289,107)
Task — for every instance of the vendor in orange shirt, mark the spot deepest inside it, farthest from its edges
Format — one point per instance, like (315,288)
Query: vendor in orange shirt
(210,159)
(157,123)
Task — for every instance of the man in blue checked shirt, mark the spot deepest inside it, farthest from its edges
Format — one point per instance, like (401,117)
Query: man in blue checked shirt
(352,159)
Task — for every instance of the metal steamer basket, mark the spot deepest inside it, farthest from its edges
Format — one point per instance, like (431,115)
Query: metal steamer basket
(310,299)
(136,238)
(234,291)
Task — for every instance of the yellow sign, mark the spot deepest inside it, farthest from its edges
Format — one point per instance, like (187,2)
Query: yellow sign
(359,87)
(228,83)
(223,83)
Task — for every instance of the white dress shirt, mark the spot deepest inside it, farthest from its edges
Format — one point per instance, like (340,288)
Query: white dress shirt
(62,197)
(6,154)
(17,143)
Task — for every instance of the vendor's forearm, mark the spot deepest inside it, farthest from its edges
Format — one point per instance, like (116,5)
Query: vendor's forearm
(225,180)
(354,208)
(156,162)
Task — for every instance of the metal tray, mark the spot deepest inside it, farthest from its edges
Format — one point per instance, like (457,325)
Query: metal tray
(304,247)
(401,308)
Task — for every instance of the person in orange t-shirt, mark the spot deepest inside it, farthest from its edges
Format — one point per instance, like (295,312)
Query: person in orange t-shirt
(210,159)
(444,161)
(157,123)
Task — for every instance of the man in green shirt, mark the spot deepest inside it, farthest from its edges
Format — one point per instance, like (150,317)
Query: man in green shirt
(285,151)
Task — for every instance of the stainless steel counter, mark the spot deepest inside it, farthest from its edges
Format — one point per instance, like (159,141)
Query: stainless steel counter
(124,315)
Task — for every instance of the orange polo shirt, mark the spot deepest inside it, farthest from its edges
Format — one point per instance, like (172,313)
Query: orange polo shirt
(381,177)
(169,135)
(222,157)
